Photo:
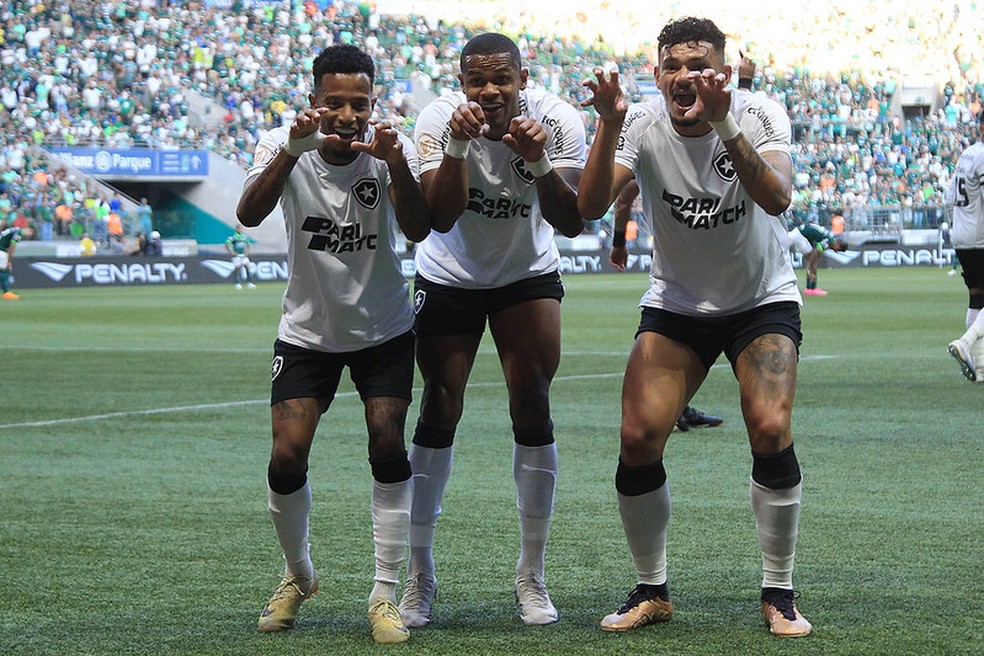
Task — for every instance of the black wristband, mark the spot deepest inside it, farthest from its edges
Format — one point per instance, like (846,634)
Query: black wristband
(744,83)
(618,239)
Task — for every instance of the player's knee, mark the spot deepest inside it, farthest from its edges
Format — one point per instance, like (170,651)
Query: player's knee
(639,444)
(776,471)
(390,469)
(441,406)
(285,479)
(768,433)
(534,437)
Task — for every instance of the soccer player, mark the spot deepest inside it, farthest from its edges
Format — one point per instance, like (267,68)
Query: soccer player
(499,167)
(342,183)
(619,255)
(811,240)
(965,204)
(238,246)
(714,168)
(8,244)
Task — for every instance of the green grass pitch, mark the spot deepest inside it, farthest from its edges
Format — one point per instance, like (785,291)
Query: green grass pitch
(135,434)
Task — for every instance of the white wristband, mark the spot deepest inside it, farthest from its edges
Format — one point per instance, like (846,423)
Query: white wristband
(297,147)
(457,148)
(727,129)
(540,167)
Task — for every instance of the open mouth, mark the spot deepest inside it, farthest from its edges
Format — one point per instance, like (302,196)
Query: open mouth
(346,135)
(684,99)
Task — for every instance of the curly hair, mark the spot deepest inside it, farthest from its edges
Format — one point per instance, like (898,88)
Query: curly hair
(691,30)
(344,59)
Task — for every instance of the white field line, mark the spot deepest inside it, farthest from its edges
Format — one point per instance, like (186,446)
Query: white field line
(234,404)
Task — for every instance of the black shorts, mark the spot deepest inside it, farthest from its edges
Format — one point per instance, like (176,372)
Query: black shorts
(444,310)
(382,370)
(972,263)
(729,334)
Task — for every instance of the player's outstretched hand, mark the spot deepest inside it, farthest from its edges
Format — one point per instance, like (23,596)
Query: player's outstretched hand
(607,97)
(385,144)
(305,132)
(526,137)
(713,94)
(468,122)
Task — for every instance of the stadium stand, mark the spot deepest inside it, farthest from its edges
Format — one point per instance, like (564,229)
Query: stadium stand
(879,118)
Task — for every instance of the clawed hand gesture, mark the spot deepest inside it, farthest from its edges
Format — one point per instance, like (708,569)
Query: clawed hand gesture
(607,97)
(713,94)
(525,136)
(385,144)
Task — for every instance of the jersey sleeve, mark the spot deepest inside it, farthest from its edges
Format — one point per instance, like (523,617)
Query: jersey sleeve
(431,134)
(766,126)
(566,146)
(635,124)
(266,149)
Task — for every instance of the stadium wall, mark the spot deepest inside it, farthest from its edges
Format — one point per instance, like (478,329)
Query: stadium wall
(39,272)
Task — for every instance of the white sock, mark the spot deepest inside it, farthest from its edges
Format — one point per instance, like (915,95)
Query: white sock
(431,471)
(535,472)
(290,513)
(390,525)
(644,520)
(975,327)
(777,523)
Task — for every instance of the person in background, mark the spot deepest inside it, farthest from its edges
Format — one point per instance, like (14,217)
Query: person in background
(9,236)
(964,202)
(344,184)
(87,247)
(499,168)
(618,256)
(811,240)
(155,247)
(714,168)
(238,247)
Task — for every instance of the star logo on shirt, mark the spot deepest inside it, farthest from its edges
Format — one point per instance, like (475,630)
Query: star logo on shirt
(366,192)
(519,167)
(725,167)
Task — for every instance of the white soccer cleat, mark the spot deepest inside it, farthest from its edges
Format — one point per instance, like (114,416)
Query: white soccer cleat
(418,599)
(533,601)
(961,354)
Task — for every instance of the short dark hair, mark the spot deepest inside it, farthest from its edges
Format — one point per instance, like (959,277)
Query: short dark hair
(343,58)
(491,43)
(691,30)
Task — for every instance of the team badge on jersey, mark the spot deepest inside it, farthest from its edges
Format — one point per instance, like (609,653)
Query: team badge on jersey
(419,297)
(278,365)
(366,192)
(725,168)
(519,166)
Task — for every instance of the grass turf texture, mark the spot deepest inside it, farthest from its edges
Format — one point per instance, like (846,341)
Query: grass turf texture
(135,436)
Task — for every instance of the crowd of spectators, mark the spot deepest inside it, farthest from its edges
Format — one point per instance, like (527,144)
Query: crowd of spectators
(176,74)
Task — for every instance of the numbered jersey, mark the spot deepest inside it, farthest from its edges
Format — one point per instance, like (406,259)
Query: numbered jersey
(346,290)
(965,199)
(502,236)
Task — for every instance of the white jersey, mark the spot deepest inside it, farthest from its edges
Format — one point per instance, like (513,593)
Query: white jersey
(715,251)
(502,236)
(346,290)
(965,199)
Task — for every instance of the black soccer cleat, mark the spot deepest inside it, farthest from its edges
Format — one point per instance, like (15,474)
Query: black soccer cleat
(694,418)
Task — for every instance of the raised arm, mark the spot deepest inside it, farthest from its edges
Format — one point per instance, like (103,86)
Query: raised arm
(446,187)
(262,193)
(409,206)
(602,178)
(556,189)
(767,176)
